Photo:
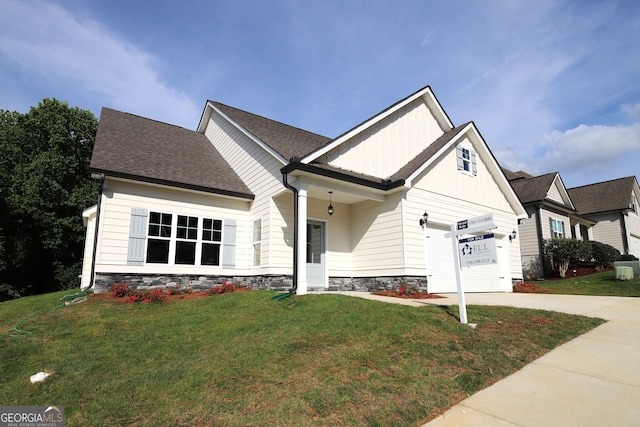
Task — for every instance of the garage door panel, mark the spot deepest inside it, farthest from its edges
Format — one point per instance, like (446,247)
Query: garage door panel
(441,268)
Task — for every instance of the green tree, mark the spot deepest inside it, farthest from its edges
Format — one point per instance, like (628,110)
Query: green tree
(45,186)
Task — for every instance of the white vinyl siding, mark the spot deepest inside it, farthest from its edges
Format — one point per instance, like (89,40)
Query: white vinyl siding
(390,144)
(449,196)
(260,171)
(377,238)
(119,197)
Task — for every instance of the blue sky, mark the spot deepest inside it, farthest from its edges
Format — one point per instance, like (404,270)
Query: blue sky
(551,85)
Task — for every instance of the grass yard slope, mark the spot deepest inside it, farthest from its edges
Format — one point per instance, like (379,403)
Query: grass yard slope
(242,359)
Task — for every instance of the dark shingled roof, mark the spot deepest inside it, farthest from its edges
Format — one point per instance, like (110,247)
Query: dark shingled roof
(603,196)
(288,141)
(533,189)
(134,147)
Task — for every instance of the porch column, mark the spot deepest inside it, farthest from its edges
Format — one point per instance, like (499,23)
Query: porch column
(302,239)
(576,231)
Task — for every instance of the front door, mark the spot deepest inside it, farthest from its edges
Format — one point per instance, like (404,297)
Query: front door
(316,254)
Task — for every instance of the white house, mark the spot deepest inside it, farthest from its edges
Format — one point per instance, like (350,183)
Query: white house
(247,199)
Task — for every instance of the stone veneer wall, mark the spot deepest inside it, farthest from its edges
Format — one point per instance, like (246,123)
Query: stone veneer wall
(271,282)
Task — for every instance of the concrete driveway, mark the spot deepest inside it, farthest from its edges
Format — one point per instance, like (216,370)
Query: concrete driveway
(593,380)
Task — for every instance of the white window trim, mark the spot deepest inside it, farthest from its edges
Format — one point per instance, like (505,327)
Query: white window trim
(256,243)
(555,222)
(472,161)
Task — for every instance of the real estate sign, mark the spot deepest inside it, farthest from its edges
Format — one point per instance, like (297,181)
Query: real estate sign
(477,250)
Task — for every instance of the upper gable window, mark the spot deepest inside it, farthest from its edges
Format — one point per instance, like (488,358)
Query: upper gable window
(466,158)
(633,203)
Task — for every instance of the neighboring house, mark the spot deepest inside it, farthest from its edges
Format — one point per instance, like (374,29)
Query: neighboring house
(613,205)
(552,214)
(246,198)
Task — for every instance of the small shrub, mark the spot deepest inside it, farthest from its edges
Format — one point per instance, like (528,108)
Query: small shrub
(158,295)
(178,290)
(628,257)
(529,288)
(225,288)
(413,292)
(604,255)
(120,290)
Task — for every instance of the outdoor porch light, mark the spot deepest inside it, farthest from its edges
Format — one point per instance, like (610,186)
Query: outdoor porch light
(423,220)
(330,208)
(512,236)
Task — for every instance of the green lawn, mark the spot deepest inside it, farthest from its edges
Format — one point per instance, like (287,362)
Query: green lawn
(601,284)
(243,359)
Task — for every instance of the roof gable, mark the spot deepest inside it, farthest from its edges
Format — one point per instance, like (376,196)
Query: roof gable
(429,99)
(134,147)
(281,140)
(538,189)
(604,196)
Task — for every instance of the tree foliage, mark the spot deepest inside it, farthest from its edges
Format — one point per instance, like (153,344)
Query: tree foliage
(562,252)
(44,186)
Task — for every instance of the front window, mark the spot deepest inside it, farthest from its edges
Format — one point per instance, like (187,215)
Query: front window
(211,238)
(633,203)
(257,242)
(557,229)
(159,237)
(189,240)
(186,236)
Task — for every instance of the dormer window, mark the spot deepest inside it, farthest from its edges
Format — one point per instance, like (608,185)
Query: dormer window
(466,160)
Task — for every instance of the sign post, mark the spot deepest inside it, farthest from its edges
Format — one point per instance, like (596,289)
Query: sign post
(479,250)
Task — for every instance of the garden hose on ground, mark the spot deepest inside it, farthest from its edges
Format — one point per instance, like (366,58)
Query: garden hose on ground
(66,300)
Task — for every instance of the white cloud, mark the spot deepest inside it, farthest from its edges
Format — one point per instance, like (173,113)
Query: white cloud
(632,110)
(591,148)
(49,43)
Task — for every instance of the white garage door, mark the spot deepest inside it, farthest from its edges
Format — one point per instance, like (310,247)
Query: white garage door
(441,268)
(634,246)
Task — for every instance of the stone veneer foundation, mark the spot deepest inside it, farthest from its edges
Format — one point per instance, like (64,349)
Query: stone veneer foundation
(271,282)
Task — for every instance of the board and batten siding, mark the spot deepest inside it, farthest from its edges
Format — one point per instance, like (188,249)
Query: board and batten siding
(120,198)
(260,171)
(382,149)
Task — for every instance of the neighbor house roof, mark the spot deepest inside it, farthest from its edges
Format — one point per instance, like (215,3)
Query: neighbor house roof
(134,147)
(534,189)
(288,141)
(603,196)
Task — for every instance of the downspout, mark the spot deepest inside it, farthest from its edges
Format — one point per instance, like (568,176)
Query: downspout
(95,236)
(294,288)
(540,239)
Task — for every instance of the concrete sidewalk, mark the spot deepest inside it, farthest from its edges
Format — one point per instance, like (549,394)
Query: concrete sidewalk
(593,380)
